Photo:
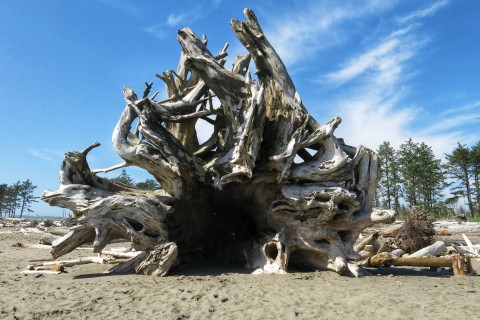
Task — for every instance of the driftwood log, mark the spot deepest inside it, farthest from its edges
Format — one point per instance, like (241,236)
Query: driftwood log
(460,264)
(271,187)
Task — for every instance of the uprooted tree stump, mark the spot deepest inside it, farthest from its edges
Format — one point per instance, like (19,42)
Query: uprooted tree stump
(271,187)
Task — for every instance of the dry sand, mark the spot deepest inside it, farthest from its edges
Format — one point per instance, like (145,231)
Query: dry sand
(205,292)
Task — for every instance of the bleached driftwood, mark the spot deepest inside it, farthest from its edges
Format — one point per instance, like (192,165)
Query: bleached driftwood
(119,254)
(40,272)
(48,238)
(237,197)
(432,250)
(58,231)
(454,227)
(71,262)
(367,241)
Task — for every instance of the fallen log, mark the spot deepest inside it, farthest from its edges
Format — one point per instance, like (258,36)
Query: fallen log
(432,250)
(386,259)
(460,264)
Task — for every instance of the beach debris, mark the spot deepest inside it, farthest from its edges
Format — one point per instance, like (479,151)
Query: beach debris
(462,265)
(432,250)
(48,238)
(40,272)
(416,232)
(386,259)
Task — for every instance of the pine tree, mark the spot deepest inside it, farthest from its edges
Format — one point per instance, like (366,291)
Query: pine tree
(422,174)
(459,165)
(26,196)
(389,186)
(125,179)
(148,184)
(475,156)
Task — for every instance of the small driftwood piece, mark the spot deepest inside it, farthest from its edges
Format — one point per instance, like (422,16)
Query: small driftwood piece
(119,254)
(41,272)
(58,231)
(462,265)
(367,241)
(72,262)
(48,238)
(238,196)
(390,231)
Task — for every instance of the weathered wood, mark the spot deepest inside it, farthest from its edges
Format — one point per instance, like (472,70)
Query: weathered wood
(48,238)
(367,241)
(237,197)
(385,259)
(462,266)
(432,250)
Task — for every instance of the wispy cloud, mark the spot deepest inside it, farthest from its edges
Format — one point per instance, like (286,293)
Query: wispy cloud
(300,34)
(162,30)
(461,109)
(426,12)
(174,20)
(45,154)
(374,86)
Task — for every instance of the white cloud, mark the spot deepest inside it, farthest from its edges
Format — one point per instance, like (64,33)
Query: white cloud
(46,154)
(174,20)
(373,103)
(366,61)
(423,13)
(318,25)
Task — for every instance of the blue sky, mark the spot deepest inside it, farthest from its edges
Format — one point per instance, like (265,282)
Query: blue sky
(392,70)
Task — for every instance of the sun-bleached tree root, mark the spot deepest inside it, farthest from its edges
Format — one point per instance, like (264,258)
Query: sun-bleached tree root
(270,188)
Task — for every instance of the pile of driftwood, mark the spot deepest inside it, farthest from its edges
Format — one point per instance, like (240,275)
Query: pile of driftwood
(450,250)
(378,248)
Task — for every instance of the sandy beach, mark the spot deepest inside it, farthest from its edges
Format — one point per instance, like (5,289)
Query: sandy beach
(215,292)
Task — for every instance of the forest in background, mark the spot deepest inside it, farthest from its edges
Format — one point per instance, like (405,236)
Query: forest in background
(413,176)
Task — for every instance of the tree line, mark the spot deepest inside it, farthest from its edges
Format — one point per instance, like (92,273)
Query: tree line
(413,176)
(16,199)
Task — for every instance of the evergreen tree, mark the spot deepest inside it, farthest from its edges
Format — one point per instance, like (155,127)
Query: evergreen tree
(148,184)
(460,169)
(475,156)
(26,196)
(409,169)
(125,179)
(389,186)
(3,197)
(422,174)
